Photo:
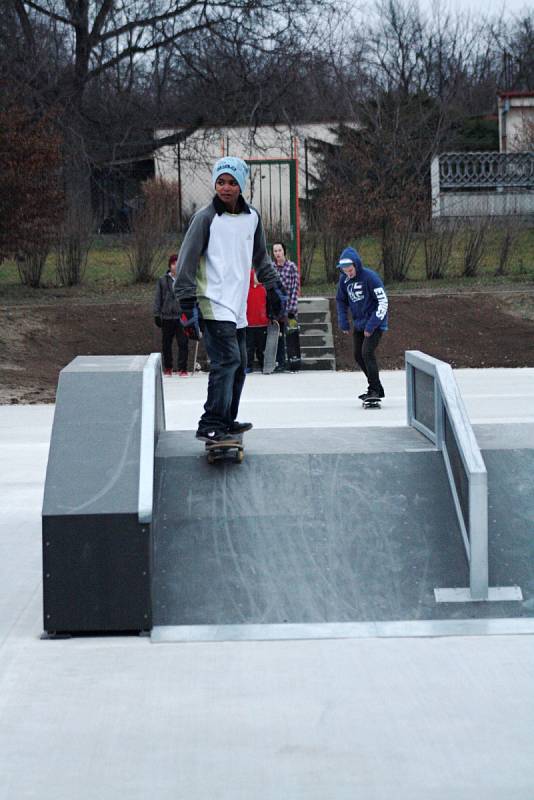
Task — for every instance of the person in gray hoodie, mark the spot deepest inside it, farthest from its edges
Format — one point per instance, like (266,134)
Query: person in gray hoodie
(212,281)
(167,317)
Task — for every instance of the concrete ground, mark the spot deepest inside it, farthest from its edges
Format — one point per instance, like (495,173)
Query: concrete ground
(366,717)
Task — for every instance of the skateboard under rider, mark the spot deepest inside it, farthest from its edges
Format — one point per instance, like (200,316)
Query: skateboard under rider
(374,402)
(230,450)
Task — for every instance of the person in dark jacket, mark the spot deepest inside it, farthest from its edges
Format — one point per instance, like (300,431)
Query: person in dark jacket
(167,317)
(361,293)
(290,280)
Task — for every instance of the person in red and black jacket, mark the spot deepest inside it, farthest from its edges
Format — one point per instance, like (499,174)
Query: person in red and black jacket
(257,320)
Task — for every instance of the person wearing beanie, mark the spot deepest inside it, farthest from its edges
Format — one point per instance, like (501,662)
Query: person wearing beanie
(361,294)
(167,317)
(289,278)
(212,281)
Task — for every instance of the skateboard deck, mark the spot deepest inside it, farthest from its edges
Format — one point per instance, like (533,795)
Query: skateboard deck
(232,450)
(193,365)
(271,346)
(371,403)
(293,345)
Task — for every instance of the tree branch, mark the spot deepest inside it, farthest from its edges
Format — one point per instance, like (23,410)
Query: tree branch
(137,50)
(47,13)
(24,23)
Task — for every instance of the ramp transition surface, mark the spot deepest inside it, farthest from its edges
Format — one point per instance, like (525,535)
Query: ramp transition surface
(330,525)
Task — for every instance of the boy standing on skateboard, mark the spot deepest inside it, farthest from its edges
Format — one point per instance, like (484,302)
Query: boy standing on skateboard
(212,280)
(361,291)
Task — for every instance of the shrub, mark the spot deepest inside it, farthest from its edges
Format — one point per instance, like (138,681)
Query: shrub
(438,244)
(151,224)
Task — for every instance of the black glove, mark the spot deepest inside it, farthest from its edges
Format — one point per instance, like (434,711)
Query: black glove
(190,318)
(157,320)
(276,301)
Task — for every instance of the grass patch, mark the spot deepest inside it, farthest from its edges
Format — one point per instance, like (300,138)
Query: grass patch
(519,270)
(108,272)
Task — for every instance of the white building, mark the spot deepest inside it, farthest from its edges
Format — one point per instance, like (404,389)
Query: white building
(190,163)
(497,184)
(516,121)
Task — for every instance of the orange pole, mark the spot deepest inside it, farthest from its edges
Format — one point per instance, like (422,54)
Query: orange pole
(297,214)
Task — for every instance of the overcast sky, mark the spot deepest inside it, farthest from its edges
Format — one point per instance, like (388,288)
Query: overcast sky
(478,7)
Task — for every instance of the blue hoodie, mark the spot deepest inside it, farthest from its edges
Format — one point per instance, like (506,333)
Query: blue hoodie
(364,295)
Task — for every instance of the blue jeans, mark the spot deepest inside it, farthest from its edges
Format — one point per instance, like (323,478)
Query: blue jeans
(227,352)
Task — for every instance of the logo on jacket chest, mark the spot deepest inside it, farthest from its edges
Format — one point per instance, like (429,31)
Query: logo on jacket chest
(355,292)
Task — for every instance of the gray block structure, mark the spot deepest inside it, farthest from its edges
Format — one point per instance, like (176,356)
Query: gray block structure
(323,526)
(96,529)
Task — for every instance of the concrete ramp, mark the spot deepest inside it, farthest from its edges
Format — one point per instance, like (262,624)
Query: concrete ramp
(508,451)
(316,526)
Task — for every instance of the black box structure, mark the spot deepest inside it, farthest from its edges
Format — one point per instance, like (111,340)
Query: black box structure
(96,540)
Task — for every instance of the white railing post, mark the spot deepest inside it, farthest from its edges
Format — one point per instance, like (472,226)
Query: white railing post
(454,437)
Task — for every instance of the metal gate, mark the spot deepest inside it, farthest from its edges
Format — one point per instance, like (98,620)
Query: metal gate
(274,192)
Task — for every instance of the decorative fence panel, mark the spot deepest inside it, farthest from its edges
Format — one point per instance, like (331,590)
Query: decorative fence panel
(470,185)
(486,170)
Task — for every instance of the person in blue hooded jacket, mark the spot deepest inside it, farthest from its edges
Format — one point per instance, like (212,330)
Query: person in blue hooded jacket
(361,293)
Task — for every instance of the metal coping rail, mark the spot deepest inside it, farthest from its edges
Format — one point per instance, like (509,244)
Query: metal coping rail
(152,419)
(449,410)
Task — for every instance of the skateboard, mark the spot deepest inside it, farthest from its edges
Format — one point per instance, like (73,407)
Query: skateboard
(232,450)
(293,345)
(195,366)
(375,403)
(271,346)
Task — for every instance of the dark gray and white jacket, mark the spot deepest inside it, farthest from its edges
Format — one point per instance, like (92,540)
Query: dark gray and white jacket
(165,304)
(215,258)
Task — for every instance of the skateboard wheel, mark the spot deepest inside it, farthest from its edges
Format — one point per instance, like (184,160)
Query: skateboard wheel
(211,458)
(239,456)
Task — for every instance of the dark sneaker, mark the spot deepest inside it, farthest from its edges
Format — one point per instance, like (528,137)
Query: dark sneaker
(239,427)
(205,435)
(366,394)
(372,394)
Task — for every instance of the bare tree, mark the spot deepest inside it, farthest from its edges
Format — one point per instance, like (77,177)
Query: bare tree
(31,200)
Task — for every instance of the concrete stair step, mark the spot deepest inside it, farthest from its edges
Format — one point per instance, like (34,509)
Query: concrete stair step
(320,362)
(316,339)
(314,304)
(315,352)
(313,317)
(314,328)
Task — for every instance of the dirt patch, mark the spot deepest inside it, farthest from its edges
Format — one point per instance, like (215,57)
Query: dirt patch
(37,342)
(479,330)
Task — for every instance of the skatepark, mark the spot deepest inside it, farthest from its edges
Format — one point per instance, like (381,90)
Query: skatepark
(296,642)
